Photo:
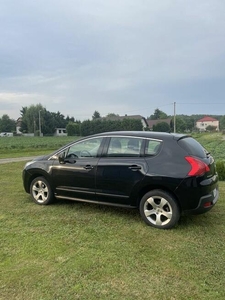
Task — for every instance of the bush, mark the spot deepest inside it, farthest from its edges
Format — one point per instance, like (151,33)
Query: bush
(101,125)
(220,169)
(162,127)
(73,129)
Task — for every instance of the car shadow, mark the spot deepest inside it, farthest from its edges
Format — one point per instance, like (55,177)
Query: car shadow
(129,213)
(132,214)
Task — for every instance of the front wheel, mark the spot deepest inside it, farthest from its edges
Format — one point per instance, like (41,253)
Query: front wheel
(41,191)
(159,209)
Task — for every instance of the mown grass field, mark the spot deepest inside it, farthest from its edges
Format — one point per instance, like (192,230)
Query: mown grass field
(28,146)
(214,143)
(72,250)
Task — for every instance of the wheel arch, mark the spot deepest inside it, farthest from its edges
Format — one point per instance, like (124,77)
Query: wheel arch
(149,188)
(39,173)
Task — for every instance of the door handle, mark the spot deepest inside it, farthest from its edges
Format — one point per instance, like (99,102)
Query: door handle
(135,168)
(88,167)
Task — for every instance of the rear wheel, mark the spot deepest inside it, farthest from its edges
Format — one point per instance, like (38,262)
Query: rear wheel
(159,209)
(41,191)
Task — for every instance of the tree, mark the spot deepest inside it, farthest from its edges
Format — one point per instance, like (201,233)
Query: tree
(161,127)
(158,114)
(222,123)
(102,125)
(7,124)
(30,117)
(131,124)
(180,125)
(190,123)
(211,128)
(59,120)
(110,115)
(73,129)
(35,116)
(96,115)
(70,119)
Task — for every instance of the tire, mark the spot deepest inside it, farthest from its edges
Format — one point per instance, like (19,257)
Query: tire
(159,209)
(41,191)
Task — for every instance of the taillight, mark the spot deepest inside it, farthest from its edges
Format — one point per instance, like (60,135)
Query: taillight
(198,167)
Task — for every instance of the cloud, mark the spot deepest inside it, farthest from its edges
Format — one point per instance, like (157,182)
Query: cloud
(111,56)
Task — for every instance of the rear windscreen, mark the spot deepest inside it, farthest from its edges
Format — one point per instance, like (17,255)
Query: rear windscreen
(192,147)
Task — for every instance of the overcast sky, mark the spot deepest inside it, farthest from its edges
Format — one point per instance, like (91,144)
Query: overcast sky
(113,56)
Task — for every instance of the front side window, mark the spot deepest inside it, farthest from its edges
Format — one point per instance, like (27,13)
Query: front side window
(86,148)
(124,146)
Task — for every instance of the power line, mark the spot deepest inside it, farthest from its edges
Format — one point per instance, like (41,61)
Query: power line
(200,103)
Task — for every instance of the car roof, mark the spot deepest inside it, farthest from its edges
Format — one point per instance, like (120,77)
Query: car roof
(143,134)
(140,134)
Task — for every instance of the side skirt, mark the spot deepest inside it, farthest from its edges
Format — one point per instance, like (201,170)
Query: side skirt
(94,202)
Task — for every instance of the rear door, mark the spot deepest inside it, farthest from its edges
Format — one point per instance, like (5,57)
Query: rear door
(120,170)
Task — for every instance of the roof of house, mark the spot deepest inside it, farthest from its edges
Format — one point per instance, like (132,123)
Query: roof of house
(207,119)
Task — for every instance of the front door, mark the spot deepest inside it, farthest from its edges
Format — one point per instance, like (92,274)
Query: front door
(74,177)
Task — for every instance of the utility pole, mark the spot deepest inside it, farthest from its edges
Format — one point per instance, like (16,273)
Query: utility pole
(39,122)
(174,117)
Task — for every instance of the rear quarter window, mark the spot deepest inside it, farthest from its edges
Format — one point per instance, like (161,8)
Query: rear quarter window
(152,147)
(192,147)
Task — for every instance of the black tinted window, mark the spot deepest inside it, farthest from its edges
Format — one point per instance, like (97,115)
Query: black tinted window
(124,146)
(192,147)
(85,148)
(152,147)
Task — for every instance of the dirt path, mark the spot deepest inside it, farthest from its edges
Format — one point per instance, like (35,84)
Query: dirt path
(15,159)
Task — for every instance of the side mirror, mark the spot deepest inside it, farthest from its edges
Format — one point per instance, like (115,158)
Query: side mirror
(62,158)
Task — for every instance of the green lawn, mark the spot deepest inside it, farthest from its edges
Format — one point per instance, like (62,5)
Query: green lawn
(72,250)
(213,142)
(32,146)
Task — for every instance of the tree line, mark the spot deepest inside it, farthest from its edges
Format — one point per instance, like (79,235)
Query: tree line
(36,119)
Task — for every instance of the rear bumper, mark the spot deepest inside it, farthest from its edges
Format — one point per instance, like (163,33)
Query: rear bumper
(205,203)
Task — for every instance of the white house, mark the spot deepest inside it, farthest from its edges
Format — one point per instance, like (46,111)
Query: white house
(203,123)
(60,132)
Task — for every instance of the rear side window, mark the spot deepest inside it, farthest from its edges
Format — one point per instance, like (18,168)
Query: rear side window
(124,146)
(192,147)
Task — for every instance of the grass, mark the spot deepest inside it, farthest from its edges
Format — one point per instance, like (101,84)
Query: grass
(214,143)
(31,146)
(34,146)
(72,250)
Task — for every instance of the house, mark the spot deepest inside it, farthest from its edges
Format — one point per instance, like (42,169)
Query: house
(151,123)
(203,123)
(134,117)
(60,132)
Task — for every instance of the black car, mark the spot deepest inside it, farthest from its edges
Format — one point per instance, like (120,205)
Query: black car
(162,174)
